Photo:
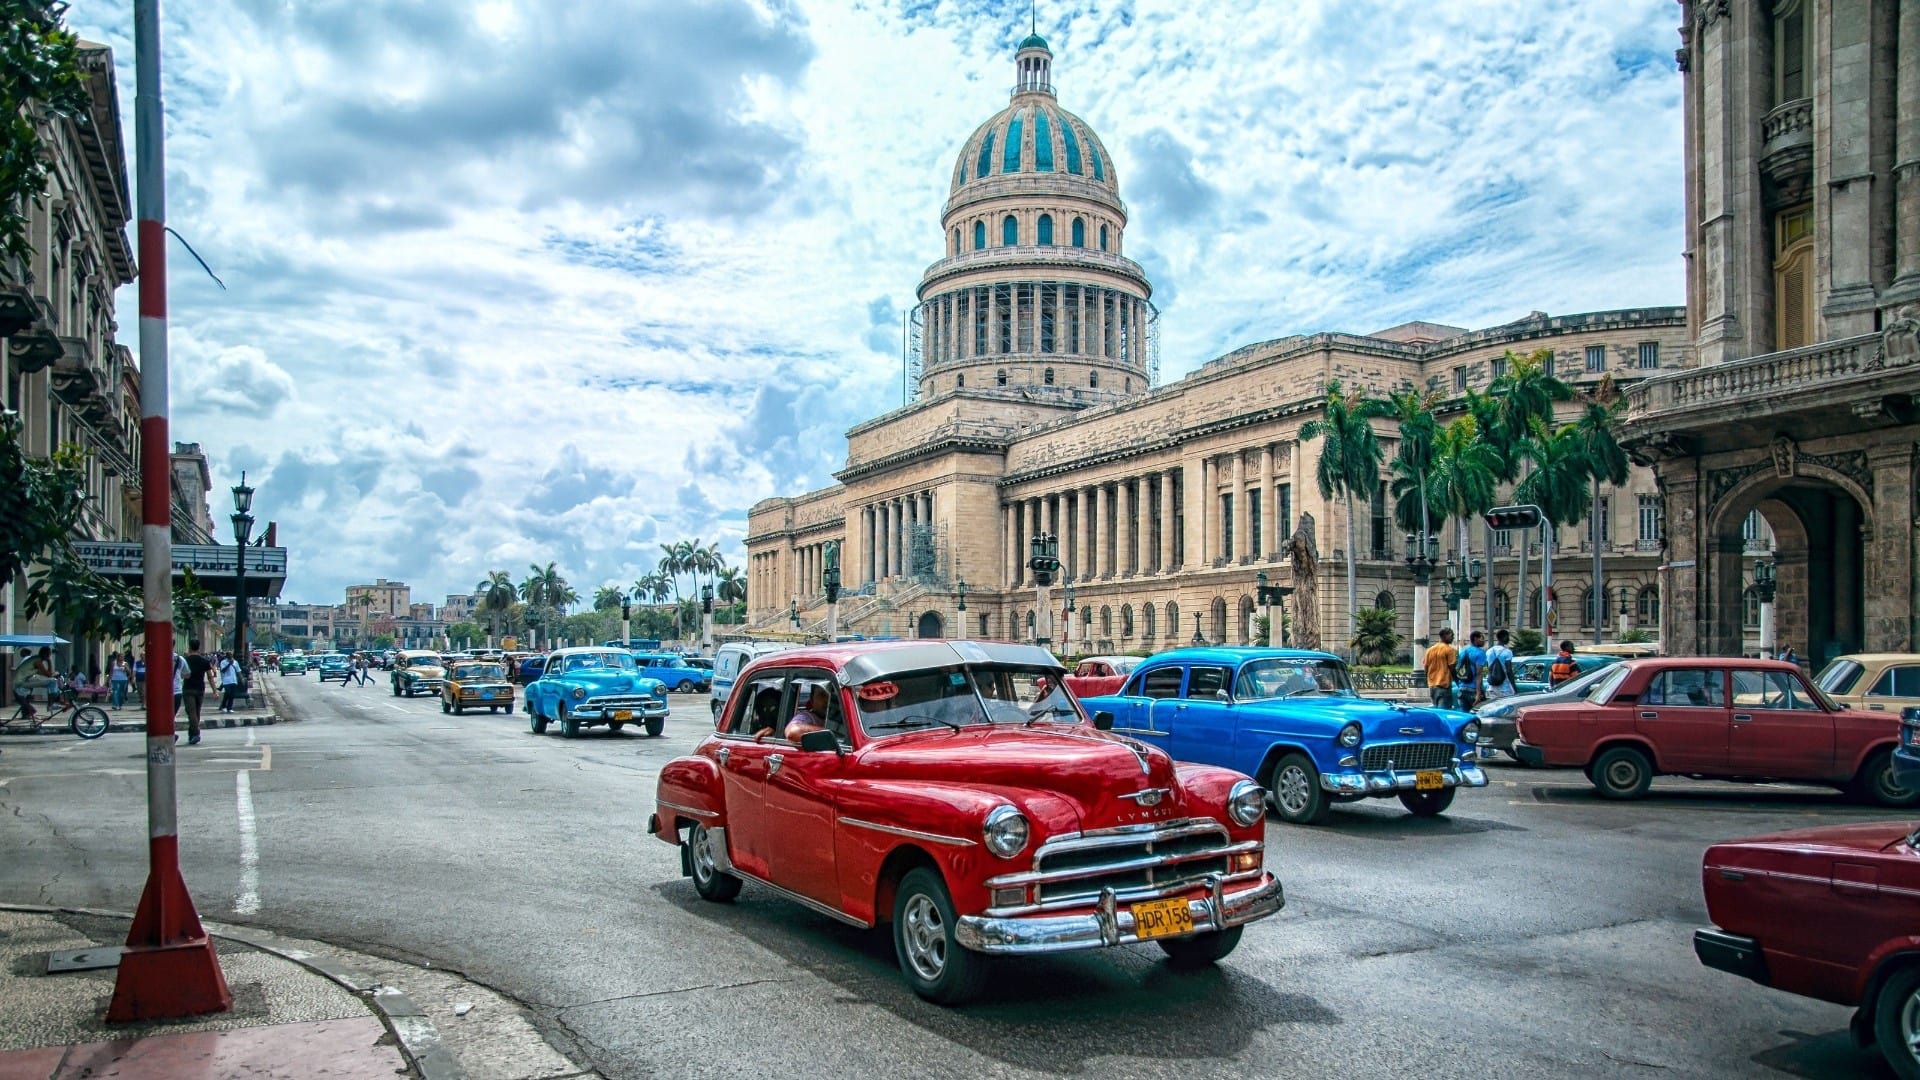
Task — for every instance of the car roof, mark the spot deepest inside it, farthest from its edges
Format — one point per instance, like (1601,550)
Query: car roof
(1113,658)
(1644,662)
(1881,657)
(576,649)
(1229,654)
(864,661)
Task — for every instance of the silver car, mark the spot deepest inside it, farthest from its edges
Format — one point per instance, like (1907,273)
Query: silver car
(1498,718)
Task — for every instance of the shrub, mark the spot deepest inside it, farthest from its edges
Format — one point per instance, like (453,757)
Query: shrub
(1375,639)
(1528,642)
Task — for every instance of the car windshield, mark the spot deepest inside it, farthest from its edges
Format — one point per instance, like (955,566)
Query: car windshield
(1283,678)
(598,661)
(958,697)
(479,671)
(425,660)
(1582,685)
(1605,682)
(1837,677)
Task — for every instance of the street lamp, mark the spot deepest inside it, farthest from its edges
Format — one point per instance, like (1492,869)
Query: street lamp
(626,620)
(1267,596)
(830,584)
(1421,549)
(1066,612)
(793,613)
(706,617)
(1197,639)
(1626,610)
(961,587)
(1462,575)
(1765,584)
(242,530)
(1044,560)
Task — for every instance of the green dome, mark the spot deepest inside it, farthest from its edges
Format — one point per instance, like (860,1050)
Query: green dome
(1035,41)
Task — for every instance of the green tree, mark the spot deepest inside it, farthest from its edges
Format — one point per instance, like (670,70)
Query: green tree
(496,594)
(1349,463)
(1466,474)
(1412,412)
(732,586)
(1598,427)
(1523,394)
(607,598)
(1377,641)
(464,632)
(39,70)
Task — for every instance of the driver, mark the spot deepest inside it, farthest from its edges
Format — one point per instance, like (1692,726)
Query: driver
(811,717)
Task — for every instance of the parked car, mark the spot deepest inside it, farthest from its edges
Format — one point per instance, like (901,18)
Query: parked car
(292,664)
(727,662)
(1828,913)
(1099,675)
(669,668)
(956,794)
(589,687)
(1291,718)
(1715,718)
(475,685)
(1906,756)
(1875,682)
(1498,728)
(417,671)
(1532,674)
(336,666)
(530,668)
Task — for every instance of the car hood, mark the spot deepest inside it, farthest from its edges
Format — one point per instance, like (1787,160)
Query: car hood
(1511,705)
(1092,769)
(1826,841)
(608,682)
(484,684)
(1379,721)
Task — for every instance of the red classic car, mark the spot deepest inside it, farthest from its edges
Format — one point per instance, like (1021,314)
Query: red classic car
(1098,676)
(954,790)
(1715,718)
(1830,913)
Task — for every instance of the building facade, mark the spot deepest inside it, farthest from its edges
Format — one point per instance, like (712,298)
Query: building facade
(1038,409)
(1803,306)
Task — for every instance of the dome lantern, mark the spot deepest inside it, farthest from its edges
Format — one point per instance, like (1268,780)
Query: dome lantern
(1033,67)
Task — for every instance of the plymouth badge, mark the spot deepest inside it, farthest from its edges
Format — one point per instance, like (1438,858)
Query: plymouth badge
(1149,797)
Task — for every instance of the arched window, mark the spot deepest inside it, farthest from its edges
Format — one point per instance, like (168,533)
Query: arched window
(1173,621)
(1146,623)
(1217,633)
(979,235)
(1649,605)
(1106,621)
(1093,379)
(984,631)
(1103,238)
(1750,608)
(1129,387)
(1009,231)
(1587,600)
(1030,622)
(1079,231)
(1502,607)
(1048,376)
(1126,620)
(1383,601)
(1046,230)
(1000,377)
(956,241)
(959,381)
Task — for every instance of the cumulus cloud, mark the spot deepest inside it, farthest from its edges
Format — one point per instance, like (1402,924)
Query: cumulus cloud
(237,380)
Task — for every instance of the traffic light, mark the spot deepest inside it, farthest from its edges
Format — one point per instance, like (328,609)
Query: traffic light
(1514,517)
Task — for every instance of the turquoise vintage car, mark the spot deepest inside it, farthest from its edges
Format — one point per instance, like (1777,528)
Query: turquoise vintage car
(589,687)
(673,669)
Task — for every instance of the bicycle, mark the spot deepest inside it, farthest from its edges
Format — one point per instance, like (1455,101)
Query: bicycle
(87,721)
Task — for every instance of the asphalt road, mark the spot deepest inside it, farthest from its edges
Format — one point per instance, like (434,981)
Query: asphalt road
(1533,931)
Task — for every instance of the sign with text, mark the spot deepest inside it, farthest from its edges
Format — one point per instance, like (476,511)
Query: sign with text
(122,558)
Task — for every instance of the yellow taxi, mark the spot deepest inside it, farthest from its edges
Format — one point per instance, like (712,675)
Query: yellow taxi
(476,684)
(1876,682)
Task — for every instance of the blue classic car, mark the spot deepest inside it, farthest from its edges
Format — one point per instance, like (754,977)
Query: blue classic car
(1290,719)
(1906,756)
(672,669)
(592,686)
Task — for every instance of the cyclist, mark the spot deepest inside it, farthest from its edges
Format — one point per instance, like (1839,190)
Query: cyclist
(32,673)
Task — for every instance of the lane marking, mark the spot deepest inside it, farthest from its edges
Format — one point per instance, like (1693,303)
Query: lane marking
(247,902)
(266,758)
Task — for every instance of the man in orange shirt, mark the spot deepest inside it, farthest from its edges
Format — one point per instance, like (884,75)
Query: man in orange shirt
(1438,662)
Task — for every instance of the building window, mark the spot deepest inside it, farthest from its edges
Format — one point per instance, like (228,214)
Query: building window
(1499,367)
(1283,505)
(1503,541)
(1587,598)
(1378,533)
(1103,238)
(1750,608)
(1383,601)
(1126,620)
(1093,380)
(1649,519)
(1106,621)
(983,626)
(1459,379)
(1793,278)
(1789,51)
(1048,376)
(1600,526)
(959,382)
(956,241)
(1254,521)
(1009,231)
(979,236)
(1000,377)
(1173,621)
(1649,604)
(1046,230)
(1079,231)
(1755,533)
(1146,622)
(1649,355)
(1553,364)
(1596,358)
(1502,607)
(1226,526)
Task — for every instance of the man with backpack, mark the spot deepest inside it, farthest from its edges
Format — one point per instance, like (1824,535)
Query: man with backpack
(1438,662)
(1468,671)
(1499,668)
(1563,667)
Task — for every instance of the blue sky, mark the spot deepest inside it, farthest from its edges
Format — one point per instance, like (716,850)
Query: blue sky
(513,282)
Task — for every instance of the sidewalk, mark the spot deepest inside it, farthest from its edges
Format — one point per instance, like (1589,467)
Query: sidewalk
(300,1009)
(256,710)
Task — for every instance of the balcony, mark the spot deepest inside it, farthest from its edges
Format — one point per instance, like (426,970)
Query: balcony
(75,378)
(1645,544)
(33,344)
(1029,257)
(1786,152)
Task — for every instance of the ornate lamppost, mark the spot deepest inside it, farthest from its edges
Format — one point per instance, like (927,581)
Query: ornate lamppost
(1626,610)
(1043,558)
(242,530)
(706,618)
(793,613)
(830,584)
(1421,551)
(1197,639)
(1765,584)
(1067,613)
(1462,575)
(1267,596)
(960,588)
(626,620)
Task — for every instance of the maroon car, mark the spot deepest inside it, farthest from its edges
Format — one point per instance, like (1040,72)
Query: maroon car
(1829,913)
(1715,718)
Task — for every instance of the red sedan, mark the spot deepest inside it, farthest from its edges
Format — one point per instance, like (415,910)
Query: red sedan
(953,792)
(1829,913)
(1715,718)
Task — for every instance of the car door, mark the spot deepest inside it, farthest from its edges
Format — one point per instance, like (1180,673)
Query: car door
(1897,688)
(1683,711)
(800,817)
(1141,694)
(1777,728)
(1201,723)
(743,769)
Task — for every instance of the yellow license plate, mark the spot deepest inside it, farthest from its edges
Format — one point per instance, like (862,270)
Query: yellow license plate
(1429,780)
(1161,918)
(623,714)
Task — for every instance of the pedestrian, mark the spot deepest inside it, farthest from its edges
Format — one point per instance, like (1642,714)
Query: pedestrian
(140,679)
(360,666)
(1469,671)
(179,683)
(1563,667)
(1789,655)
(1438,662)
(194,688)
(119,675)
(1499,668)
(229,681)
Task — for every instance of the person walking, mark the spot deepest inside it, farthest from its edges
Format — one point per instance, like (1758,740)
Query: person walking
(1469,672)
(1438,662)
(361,666)
(139,685)
(118,676)
(229,681)
(194,688)
(1499,668)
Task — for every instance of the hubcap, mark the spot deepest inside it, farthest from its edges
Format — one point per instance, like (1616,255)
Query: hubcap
(1292,793)
(702,854)
(1890,786)
(1622,774)
(925,935)
(1910,1024)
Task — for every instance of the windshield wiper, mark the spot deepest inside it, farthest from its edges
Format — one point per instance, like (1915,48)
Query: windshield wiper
(1301,690)
(1034,715)
(912,722)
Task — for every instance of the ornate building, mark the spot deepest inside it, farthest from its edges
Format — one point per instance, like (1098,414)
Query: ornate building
(1038,409)
(1803,303)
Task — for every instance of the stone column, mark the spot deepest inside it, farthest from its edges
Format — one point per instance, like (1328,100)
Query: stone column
(1888,543)
(1267,545)
(1125,525)
(1199,511)
(1855,121)
(1083,538)
(1722,97)
(1010,529)
(1242,540)
(1100,567)
(1144,549)
(1906,161)
(1017,547)
(1166,521)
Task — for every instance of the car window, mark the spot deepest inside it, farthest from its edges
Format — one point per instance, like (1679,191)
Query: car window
(1770,690)
(800,685)
(1598,685)
(1161,682)
(1280,678)
(992,694)
(1532,671)
(1900,682)
(1203,682)
(754,705)
(1838,677)
(1690,687)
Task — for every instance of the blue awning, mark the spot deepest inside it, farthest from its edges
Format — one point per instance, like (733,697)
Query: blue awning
(19,640)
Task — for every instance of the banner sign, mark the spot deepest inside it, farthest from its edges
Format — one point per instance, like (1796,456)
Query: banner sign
(122,558)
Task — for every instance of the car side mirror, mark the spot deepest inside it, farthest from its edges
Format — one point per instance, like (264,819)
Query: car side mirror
(1222,695)
(1103,720)
(817,741)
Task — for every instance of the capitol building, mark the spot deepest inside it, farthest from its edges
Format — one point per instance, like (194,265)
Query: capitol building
(1037,406)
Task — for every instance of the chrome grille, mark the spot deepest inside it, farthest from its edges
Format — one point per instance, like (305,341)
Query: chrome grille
(1097,861)
(1407,756)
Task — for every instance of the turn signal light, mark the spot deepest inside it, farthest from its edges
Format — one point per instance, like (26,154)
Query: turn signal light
(1009,897)
(1245,861)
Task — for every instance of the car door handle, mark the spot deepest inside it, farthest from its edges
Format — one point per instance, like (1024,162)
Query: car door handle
(1876,708)
(1649,716)
(1741,718)
(773,763)
(723,754)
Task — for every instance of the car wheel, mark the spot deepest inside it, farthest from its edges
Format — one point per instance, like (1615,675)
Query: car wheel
(396,687)
(1896,1022)
(1296,794)
(685,687)
(934,964)
(537,722)
(569,727)
(1200,950)
(714,708)
(1622,773)
(711,882)
(1877,783)
(444,707)
(459,708)
(1427,803)
(655,725)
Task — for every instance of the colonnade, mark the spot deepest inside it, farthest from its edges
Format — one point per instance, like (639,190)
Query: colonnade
(1029,317)
(886,533)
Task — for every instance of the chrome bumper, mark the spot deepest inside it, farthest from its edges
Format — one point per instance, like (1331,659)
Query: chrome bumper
(1394,781)
(1111,922)
(602,710)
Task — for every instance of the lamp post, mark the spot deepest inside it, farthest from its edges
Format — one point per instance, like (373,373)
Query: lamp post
(1626,610)
(242,531)
(1067,613)
(793,613)
(830,584)
(626,620)
(960,587)
(1267,596)
(706,618)
(1462,575)
(1197,639)
(1421,549)
(1765,584)
(1043,558)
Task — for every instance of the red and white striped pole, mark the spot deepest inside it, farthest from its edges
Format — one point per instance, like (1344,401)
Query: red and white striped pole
(169,968)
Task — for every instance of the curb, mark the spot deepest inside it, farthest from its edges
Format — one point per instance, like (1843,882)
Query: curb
(207,723)
(419,1040)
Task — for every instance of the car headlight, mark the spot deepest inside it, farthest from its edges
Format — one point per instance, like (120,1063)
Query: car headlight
(1005,831)
(579,693)
(1471,733)
(1246,803)
(1350,735)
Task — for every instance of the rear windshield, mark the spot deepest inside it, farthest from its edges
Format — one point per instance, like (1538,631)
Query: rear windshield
(961,697)
(1283,678)
(1605,681)
(1837,677)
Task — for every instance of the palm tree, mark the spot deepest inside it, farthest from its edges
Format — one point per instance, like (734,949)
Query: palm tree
(1466,475)
(496,594)
(1349,464)
(732,588)
(1556,482)
(607,597)
(1523,394)
(1597,427)
(674,561)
